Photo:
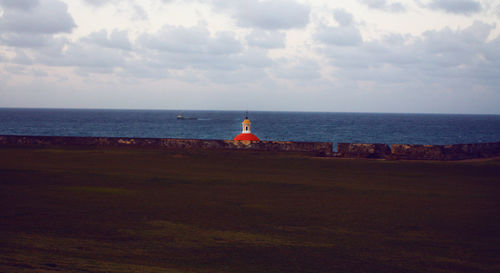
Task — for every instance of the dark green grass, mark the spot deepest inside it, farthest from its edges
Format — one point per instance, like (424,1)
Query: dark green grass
(122,210)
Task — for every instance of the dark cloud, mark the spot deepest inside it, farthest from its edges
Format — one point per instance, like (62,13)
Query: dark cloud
(98,56)
(242,75)
(443,57)
(339,36)
(374,4)
(34,24)
(23,70)
(50,17)
(266,39)
(98,3)
(224,43)
(191,40)
(19,4)
(86,58)
(127,6)
(131,7)
(178,39)
(54,49)
(117,39)
(383,5)
(22,58)
(32,40)
(302,70)
(87,71)
(140,13)
(343,17)
(195,48)
(346,34)
(15,69)
(143,68)
(39,73)
(254,58)
(457,6)
(267,14)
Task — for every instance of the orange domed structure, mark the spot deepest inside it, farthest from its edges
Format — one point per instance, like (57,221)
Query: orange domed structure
(246,134)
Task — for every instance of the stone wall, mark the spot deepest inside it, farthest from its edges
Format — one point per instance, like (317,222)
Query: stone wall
(360,150)
(344,150)
(446,152)
(313,148)
(418,152)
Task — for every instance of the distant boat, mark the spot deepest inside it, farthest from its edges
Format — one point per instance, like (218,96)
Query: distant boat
(184,118)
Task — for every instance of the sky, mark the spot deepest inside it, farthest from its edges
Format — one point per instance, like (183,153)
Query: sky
(401,56)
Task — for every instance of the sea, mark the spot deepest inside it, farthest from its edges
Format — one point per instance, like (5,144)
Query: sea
(437,129)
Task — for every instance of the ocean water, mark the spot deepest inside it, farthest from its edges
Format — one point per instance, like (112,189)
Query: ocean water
(282,126)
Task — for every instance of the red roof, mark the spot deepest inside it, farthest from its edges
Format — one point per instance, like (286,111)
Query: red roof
(247,136)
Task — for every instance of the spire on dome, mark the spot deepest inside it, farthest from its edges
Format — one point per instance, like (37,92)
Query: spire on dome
(246,134)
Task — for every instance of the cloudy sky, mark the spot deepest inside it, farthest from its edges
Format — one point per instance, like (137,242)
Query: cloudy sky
(417,56)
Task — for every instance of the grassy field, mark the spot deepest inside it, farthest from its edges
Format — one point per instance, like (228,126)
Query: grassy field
(123,210)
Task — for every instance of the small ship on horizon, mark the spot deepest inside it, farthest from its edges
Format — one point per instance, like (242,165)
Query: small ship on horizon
(181,117)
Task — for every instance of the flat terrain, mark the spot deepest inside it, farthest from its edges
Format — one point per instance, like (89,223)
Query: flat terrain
(124,210)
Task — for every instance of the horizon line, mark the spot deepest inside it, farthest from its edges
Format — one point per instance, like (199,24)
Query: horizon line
(249,110)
